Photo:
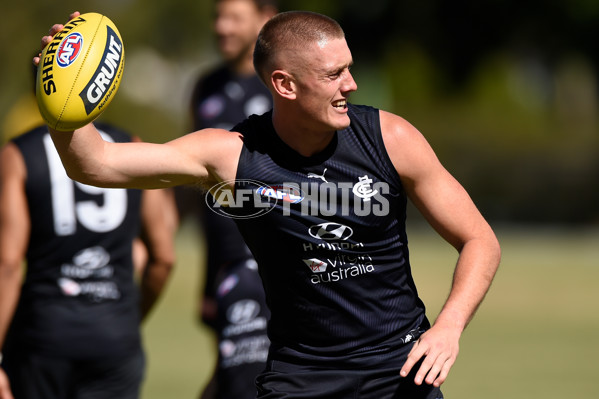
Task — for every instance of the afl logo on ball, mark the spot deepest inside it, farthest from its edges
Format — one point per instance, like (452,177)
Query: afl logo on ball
(69,49)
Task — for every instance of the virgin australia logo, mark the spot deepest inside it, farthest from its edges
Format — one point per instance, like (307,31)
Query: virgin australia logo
(343,267)
(316,265)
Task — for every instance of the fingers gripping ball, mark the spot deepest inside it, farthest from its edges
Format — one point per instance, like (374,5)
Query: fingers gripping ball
(79,72)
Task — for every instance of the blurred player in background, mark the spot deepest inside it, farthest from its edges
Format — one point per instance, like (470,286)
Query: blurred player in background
(71,329)
(233,296)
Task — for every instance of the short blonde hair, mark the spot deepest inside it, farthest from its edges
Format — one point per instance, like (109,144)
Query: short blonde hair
(291,30)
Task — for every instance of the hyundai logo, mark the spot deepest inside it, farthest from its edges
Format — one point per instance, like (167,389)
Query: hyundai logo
(331,231)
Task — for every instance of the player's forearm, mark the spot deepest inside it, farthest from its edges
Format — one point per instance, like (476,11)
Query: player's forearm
(474,273)
(160,224)
(154,280)
(11,277)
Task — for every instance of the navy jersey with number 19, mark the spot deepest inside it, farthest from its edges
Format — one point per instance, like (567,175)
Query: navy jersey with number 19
(79,299)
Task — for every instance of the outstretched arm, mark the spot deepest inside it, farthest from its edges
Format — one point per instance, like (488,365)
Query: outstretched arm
(449,209)
(204,157)
(89,159)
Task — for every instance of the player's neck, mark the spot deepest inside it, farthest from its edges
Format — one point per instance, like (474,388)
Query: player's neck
(304,140)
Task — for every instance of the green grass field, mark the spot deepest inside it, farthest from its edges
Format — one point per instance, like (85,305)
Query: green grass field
(535,335)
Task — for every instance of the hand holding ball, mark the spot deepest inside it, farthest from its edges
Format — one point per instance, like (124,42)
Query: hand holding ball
(79,72)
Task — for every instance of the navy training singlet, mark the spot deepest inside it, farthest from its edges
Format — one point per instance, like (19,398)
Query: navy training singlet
(328,233)
(79,298)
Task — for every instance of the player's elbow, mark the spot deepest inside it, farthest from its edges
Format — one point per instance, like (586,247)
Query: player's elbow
(163,259)
(490,246)
(483,243)
(11,268)
(166,261)
(89,175)
(83,178)
(492,243)
(77,175)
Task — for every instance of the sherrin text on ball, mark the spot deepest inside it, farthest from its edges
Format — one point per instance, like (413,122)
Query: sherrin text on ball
(80,71)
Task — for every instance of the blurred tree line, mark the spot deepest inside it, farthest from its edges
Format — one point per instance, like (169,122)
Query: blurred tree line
(505,91)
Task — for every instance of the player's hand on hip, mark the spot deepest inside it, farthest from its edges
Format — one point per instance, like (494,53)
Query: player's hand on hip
(438,348)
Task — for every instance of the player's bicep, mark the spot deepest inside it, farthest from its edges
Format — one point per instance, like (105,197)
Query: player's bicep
(207,156)
(186,160)
(446,206)
(438,196)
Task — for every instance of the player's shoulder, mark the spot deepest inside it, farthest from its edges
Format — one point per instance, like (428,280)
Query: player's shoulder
(395,127)
(407,147)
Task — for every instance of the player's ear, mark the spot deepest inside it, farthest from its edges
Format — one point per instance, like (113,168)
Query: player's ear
(284,84)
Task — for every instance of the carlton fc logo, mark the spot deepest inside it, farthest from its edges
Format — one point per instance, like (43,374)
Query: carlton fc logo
(69,49)
(331,231)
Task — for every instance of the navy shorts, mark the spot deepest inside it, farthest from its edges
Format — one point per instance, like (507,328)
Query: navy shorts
(342,384)
(295,381)
(37,377)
